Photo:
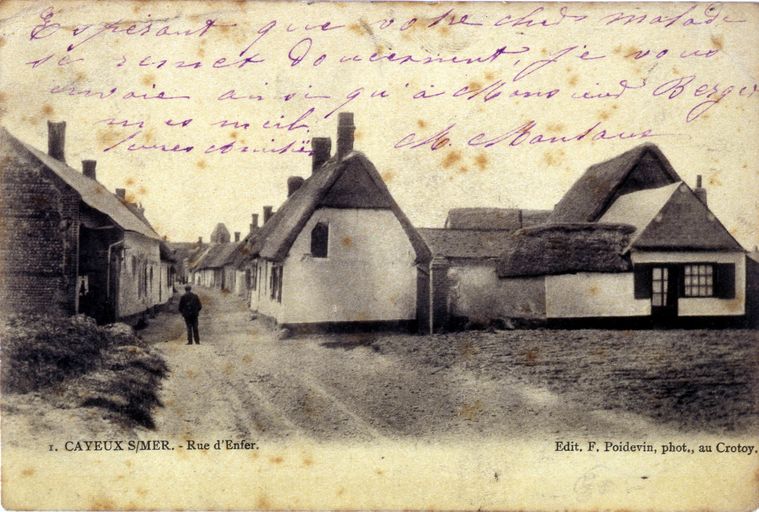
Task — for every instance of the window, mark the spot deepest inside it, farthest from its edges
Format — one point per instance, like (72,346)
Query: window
(698,281)
(659,282)
(276,284)
(320,240)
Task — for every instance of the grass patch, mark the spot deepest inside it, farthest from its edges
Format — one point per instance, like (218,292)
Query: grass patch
(74,363)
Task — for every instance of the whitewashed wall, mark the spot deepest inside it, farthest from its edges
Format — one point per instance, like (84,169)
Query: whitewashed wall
(263,302)
(705,306)
(369,274)
(166,288)
(591,294)
(143,249)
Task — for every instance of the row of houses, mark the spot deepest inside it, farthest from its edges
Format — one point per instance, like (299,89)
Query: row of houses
(68,245)
(629,244)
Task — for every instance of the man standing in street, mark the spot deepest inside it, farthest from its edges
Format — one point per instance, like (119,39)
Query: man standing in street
(190,306)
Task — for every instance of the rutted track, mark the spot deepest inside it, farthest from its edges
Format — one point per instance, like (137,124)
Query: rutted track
(242,382)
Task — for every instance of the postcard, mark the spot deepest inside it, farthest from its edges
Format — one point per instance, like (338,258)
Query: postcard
(289,255)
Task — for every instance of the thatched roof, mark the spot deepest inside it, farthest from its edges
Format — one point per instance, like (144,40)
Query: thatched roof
(640,168)
(92,193)
(242,252)
(167,254)
(566,249)
(218,256)
(506,219)
(466,243)
(352,182)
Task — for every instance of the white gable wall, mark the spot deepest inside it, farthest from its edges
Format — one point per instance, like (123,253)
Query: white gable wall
(368,275)
(704,306)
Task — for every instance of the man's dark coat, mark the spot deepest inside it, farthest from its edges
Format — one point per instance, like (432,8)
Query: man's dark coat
(189,305)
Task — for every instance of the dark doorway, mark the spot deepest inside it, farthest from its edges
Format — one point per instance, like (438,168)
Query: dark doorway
(664,287)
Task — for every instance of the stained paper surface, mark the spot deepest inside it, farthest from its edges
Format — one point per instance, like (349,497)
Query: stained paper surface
(202,110)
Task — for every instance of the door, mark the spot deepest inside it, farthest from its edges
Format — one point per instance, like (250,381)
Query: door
(664,293)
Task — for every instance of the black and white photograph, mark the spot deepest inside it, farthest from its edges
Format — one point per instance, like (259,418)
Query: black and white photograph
(379,255)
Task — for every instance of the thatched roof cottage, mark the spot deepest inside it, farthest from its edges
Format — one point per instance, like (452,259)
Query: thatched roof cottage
(628,244)
(339,253)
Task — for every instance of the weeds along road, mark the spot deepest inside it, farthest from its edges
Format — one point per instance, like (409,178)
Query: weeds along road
(241,382)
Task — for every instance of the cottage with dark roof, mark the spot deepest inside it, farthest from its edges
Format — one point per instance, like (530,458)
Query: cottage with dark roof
(215,268)
(628,241)
(68,245)
(339,252)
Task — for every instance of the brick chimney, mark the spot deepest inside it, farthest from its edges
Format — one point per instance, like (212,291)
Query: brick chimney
(237,236)
(121,193)
(200,240)
(700,191)
(88,169)
(56,140)
(254,223)
(345,130)
(267,213)
(320,150)
(293,184)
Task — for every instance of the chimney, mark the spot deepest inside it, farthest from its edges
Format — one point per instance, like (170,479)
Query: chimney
(121,193)
(56,140)
(345,129)
(293,184)
(254,223)
(88,169)
(267,213)
(237,236)
(320,150)
(700,191)
(200,240)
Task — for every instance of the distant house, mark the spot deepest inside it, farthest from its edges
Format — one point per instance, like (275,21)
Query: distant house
(214,268)
(186,255)
(629,241)
(67,244)
(339,253)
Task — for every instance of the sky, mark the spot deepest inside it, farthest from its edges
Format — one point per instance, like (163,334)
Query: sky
(140,83)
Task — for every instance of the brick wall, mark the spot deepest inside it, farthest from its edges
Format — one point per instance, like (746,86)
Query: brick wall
(39,223)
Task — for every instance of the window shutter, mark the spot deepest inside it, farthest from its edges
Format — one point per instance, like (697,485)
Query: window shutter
(724,280)
(679,271)
(642,280)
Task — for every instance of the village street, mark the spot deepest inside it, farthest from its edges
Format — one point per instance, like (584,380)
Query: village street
(243,383)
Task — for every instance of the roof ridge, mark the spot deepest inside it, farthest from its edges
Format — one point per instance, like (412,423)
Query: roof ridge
(62,168)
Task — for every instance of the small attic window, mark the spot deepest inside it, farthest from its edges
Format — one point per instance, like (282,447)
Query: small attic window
(320,240)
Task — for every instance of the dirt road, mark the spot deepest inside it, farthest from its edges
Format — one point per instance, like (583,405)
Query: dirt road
(242,382)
